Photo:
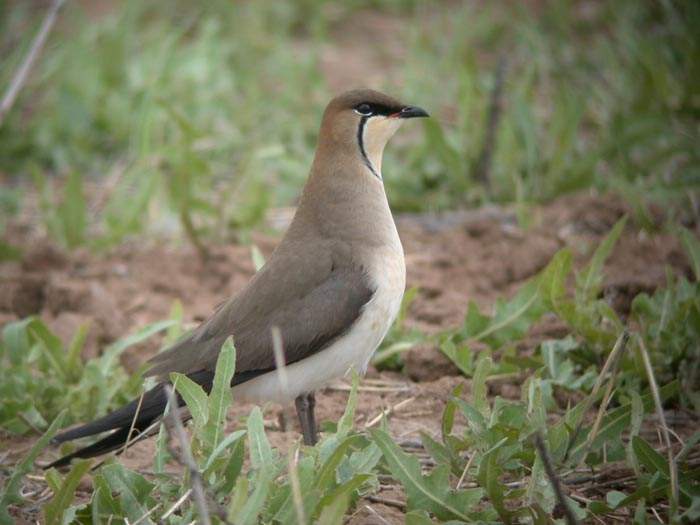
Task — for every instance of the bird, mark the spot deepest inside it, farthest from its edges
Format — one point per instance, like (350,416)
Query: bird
(331,288)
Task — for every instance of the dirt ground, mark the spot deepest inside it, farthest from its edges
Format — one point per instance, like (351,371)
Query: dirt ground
(452,258)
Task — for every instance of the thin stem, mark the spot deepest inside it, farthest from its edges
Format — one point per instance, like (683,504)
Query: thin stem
(672,465)
(20,76)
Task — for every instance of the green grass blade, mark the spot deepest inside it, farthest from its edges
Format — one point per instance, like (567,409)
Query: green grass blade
(220,397)
(54,509)
(75,348)
(10,490)
(692,248)
(113,351)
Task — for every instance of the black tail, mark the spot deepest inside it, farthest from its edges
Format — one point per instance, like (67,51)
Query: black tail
(121,420)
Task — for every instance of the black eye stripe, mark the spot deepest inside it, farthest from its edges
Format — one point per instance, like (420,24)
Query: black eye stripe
(367,109)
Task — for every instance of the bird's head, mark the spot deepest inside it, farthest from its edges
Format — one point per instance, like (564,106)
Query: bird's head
(361,122)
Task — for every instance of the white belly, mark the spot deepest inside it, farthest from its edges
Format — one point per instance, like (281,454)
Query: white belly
(352,350)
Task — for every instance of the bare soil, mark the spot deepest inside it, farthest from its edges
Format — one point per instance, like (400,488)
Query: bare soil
(452,258)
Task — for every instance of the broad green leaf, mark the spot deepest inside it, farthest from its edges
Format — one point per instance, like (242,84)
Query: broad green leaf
(614,498)
(256,501)
(222,446)
(51,346)
(475,322)
(592,277)
(133,490)
(194,396)
(347,420)
(238,499)
(475,419)
(10,491)
(327,474)
(539,489)
(479,387)
(431,493)
(439,452)
(489,472)
(261,454)
(54,510)
(512,319)
(103,502)
(220,397)
(288,511)
(552,280)
(650,458)
(361,461)
(461,355)
(616,420)
(343,492)
(53,480)
(334,512)
(233,467)
(448,415)
(418,517)
(536,405)
(15,340)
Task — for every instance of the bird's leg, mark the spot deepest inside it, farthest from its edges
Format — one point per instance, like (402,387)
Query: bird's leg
(305,404)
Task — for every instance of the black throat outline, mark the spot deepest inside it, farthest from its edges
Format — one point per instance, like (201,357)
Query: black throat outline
(361,143)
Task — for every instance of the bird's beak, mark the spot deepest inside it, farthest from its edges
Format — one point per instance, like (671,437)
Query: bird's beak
(410,112)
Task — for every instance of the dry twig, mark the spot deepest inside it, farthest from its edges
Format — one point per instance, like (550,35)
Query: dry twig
(672,465)
(610,365)
(146,514)
(389,502)
(377,515)
(389,411)
(128,442)
(20,76)
(554,479)
(466,469)
(176,505)
(185,457)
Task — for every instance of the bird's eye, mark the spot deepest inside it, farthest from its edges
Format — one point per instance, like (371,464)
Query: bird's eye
(364,109)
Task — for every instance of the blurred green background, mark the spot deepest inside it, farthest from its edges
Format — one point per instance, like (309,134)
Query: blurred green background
(180,116)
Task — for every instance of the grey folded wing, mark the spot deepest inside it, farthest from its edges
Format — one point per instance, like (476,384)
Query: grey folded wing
(311,306)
